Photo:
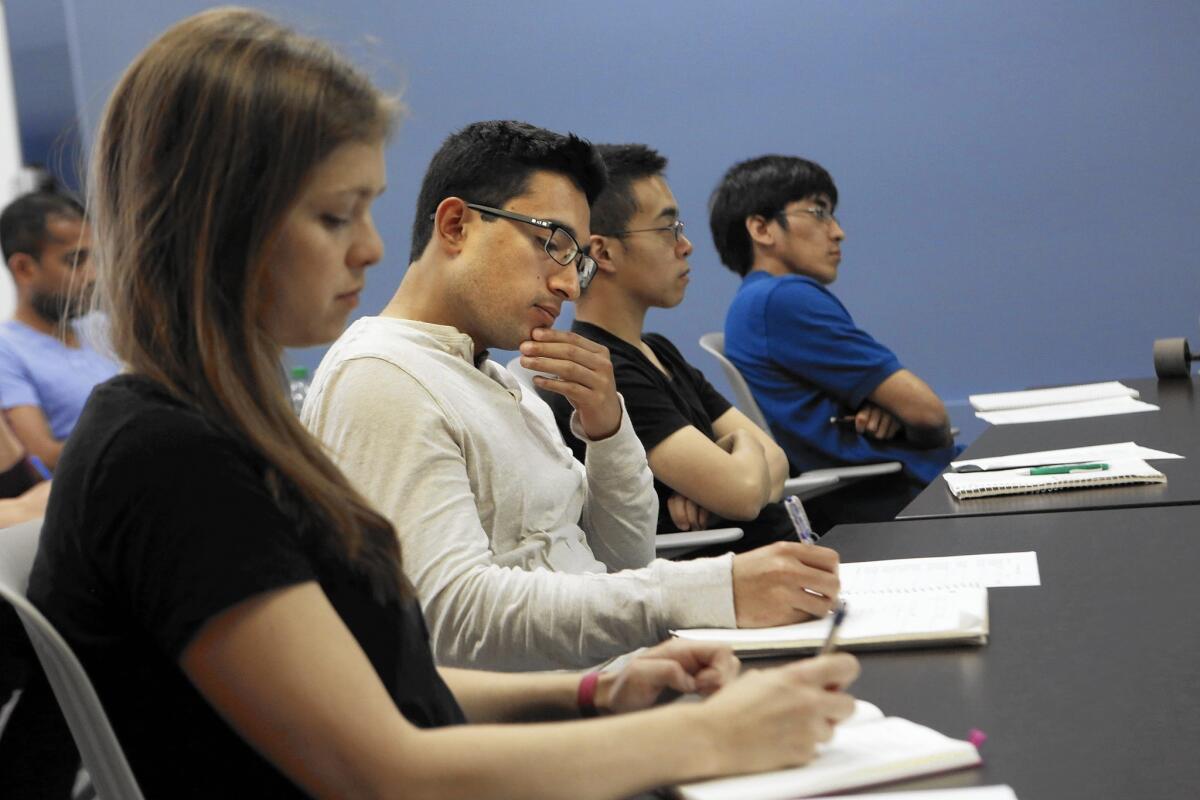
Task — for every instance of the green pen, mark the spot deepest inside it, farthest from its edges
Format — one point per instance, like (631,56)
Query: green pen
(1063,469)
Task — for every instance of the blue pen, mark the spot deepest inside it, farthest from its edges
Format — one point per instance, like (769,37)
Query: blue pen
(795,509)
(39,467)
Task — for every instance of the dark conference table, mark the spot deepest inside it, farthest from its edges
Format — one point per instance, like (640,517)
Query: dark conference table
(1090,684)
(1175,428)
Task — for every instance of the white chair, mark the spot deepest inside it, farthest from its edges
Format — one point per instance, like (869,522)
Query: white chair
(666,545)
(714,344)
(98,745)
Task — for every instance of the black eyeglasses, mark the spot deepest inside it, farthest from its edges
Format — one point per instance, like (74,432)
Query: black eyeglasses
(561,246)
(676,229)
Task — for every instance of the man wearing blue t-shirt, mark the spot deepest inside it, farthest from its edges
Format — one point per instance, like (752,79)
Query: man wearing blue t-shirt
(47,365)
(832,394)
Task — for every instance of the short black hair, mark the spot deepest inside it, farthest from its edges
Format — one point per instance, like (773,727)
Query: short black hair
(760,186)
(491,162)
(23,222)
(626,164)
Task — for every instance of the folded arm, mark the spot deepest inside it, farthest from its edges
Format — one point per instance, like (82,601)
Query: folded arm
(29,425)
(916,406)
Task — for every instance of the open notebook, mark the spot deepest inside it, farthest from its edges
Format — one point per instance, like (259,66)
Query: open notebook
(866,750)
(903,602)
(1001,482)
(876,620)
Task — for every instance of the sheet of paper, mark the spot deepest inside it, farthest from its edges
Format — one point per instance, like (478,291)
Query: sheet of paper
(1049,413)
(969,793)
(998,401)
(1071,455)
(941,572)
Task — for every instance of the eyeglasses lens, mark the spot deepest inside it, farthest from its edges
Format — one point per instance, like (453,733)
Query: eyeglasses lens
(561,247)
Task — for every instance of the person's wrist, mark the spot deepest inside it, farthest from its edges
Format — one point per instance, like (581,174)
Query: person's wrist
(600,424)
(587,695)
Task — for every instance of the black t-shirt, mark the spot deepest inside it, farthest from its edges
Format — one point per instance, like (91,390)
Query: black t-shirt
(658,406)
(157,522)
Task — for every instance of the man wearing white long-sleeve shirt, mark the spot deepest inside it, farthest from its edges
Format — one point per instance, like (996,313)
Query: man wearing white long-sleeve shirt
(522,557)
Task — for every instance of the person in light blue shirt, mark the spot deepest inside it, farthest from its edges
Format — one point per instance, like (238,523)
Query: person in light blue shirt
(831,393)
(48,364)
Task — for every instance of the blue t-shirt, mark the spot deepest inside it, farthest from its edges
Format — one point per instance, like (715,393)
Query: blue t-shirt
(39,370)
(806,361)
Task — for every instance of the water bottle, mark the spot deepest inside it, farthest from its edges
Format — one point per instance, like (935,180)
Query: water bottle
(298,387)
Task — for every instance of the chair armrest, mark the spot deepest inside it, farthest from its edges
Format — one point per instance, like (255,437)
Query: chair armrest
(809,485)
(858,472)
(669,545)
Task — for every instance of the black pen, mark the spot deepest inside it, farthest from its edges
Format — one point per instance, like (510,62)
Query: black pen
(839,614)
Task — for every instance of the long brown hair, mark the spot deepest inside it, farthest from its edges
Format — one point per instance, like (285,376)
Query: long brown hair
(204,146)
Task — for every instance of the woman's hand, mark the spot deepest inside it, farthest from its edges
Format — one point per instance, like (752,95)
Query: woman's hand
(675,665)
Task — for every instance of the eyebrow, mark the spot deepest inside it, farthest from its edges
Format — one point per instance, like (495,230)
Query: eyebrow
(559,223)
(360,191)
(670,212)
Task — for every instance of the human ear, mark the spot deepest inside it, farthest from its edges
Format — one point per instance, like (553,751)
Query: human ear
(601,252)
(450,224)
(759,229)
(23,267)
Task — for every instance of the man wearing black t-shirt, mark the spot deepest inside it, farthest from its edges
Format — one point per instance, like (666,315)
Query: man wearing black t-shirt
(709,460)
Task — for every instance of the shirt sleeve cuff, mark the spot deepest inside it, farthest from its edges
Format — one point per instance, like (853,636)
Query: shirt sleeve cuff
(604,456)
(698,593)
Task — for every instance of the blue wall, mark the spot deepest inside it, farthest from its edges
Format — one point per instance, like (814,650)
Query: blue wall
(43,83)
(1019,180)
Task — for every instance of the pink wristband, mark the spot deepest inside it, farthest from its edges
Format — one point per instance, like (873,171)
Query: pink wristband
(585,697)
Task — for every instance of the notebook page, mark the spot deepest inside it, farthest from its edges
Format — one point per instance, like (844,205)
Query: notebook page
(859,755)
(941,572)
(998,401)
(1091,408)
(870,617)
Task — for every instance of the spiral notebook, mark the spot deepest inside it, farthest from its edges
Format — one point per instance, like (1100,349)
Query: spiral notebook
(868,749)
(1003,482)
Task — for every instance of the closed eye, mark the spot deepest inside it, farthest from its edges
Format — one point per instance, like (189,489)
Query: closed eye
(333,222)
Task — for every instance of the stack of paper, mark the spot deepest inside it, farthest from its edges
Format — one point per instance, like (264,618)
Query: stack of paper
(908,602)
(1119,451)
(1063,402)
(866,750)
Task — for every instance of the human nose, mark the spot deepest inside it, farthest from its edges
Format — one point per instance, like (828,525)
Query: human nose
(564,281)
(835,230)
(683,247)
(369,250)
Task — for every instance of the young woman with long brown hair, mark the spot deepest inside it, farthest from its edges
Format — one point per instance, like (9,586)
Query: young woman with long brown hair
(239,607)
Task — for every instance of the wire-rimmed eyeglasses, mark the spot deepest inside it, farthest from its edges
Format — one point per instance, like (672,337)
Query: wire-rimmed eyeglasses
(819,213)
(676,229)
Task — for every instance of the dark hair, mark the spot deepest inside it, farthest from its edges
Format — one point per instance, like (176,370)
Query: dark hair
(205,144)
(626,164)
(490,163)
(23,221)
(760,186)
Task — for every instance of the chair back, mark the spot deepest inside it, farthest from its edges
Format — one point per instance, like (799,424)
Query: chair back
(98,746)
(714,343)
